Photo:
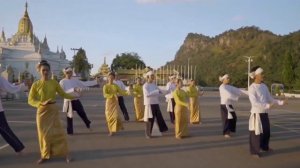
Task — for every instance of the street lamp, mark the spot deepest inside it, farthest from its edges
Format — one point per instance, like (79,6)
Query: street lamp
(75,49)
(249,60)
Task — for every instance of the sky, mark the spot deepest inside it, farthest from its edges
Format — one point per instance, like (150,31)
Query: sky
(155,29)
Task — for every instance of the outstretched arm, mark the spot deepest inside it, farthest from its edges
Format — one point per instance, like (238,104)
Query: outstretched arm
(7,86)
(62,93)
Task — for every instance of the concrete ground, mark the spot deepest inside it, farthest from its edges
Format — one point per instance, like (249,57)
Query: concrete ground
(205,148)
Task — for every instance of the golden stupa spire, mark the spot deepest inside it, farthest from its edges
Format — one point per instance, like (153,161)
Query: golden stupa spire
(26,7)
(25,25)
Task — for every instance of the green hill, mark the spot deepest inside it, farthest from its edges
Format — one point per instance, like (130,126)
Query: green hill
(224,53)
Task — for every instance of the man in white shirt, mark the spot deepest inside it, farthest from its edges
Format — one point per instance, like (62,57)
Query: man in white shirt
(121,98)
(228,95)
(170,87)
(5,130)
(152,113)
(74,86)
(261,103)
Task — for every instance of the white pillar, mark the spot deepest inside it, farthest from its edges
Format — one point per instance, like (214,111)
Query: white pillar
(191,71)
(184,70)
(195,73)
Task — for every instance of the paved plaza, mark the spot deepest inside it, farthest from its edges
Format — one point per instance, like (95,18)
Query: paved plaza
(205,148)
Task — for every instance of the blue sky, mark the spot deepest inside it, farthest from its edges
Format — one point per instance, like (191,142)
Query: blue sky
(155,29)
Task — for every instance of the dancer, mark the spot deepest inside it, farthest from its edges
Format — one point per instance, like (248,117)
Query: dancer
(261,103)
(195,116)
(121,98)
(68,84)
(111,92)
(152,113)
(181,109)
(42,95)
(5,131)
(170,87)
(228,95)
(138,99)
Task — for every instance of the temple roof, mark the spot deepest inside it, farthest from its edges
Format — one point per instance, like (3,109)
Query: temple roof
(25,25)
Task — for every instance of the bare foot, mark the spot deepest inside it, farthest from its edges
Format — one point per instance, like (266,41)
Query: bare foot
(110,134)
(227,136)
(68,159)
(20,153)
(40,161)
(256,156)
(179,137)
(269,150)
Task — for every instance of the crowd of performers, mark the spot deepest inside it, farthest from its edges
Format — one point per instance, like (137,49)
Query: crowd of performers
(180,102)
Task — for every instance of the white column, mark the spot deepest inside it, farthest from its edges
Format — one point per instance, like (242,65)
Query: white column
(181,72)
(191,71)
(184,70)
(195,73)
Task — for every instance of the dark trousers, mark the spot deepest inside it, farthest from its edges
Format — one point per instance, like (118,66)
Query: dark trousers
(77,106)
(172,114)
(8,135)
(261,141)
(157,116)
(229,125)
(123,108)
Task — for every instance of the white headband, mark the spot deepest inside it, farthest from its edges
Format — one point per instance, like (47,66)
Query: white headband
(149,73)
(221,78)
(171,77)
(67,69)
(256,72)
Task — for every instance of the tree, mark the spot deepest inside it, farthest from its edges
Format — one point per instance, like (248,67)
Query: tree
(287,72)
(127,61)
(81,65)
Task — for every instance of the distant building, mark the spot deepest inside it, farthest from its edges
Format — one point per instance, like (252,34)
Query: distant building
(23,51)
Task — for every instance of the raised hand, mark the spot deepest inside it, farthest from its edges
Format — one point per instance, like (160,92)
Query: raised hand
(77,89)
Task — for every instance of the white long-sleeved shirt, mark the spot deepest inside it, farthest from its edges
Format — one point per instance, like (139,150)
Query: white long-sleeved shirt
(261,101)
(151,93)
(260,98)
(5,86)
(229,94)
(68,85)
(170,87)
(120,84)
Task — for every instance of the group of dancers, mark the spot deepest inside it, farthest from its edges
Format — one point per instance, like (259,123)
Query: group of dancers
(146,104)
(52,138)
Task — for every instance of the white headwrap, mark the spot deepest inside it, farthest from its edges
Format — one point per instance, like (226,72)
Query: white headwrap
(149,73)
(221,78)
(68,69)
(256,72)
(172,77)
